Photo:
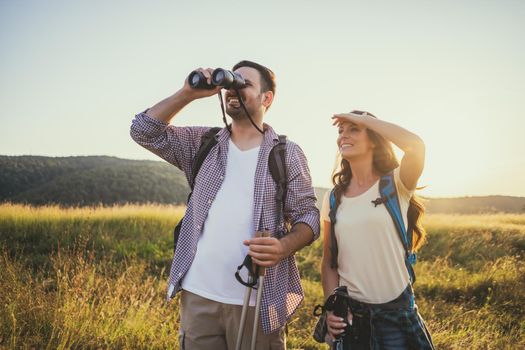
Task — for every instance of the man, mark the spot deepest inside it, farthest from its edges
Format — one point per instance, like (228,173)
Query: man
(233,197)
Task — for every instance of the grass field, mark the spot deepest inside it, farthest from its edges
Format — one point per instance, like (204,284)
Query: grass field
(95,278)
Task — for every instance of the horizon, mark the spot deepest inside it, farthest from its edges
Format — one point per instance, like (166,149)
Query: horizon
(319,187)
(75,74)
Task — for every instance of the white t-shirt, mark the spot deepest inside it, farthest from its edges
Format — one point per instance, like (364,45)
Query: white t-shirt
(371,256)
(230,221)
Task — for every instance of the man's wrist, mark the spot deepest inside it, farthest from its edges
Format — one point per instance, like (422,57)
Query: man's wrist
(285,249)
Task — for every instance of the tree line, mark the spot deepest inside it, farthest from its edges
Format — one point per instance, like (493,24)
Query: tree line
(95,180)
(91,180)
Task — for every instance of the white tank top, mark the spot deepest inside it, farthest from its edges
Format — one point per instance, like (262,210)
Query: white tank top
(371,256)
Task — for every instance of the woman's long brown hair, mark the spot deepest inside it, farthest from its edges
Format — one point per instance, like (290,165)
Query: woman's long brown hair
(384,161)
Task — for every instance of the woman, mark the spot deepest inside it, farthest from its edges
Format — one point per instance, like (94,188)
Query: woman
(371,260)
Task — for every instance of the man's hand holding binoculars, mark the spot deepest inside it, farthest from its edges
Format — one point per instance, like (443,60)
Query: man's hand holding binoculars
(201,76)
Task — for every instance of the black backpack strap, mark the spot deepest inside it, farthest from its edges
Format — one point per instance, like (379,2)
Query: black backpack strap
(208,140)
(278,170)
(334,249)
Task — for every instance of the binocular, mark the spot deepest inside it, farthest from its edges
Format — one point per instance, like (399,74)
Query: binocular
(220,77)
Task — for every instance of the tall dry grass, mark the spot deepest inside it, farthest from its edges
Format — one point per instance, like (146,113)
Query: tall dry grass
(94,278)
(83,304)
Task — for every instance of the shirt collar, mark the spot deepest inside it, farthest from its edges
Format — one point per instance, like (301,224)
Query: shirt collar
(269,140)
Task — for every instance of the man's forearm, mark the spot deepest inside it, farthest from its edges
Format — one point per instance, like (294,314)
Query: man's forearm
(269,251)
(166,109)
(299,237)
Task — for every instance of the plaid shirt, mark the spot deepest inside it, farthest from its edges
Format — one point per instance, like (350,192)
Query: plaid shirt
(409,320)
(178,146)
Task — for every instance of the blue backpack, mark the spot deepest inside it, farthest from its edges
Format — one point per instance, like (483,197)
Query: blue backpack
(388,197)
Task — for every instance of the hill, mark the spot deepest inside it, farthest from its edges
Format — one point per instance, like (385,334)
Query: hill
(89,181)
(105,180)
(466,205)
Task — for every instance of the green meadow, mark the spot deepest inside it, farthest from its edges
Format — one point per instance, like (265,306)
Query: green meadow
(95,278)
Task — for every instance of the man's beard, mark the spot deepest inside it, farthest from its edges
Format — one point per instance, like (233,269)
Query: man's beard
(237,113)
(240,111)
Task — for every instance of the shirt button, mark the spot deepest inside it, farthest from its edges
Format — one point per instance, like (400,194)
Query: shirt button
(209,201)
(221,177)
(180,274)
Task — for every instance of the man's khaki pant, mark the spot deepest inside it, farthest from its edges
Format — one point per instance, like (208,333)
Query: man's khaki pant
(210,325)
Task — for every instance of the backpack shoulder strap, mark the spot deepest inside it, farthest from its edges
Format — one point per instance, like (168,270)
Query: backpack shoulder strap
(208,140)
(333,202)
(388,192)
(334,249)
(278,170)
(277,166)
(389,196)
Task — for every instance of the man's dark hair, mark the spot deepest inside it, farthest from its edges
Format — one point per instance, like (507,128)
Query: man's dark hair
(267,76)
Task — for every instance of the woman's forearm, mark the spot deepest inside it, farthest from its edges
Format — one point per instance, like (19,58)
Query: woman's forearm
(406,140)
(329,278)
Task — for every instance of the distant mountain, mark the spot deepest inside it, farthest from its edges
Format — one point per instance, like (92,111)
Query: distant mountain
(105,180)
(476,205)
(465,205)
(89,181)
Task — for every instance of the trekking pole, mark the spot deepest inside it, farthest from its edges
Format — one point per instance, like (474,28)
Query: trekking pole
(262,272)
(245,305)
(252,279)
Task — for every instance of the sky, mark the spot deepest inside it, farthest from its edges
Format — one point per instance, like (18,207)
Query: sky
(74,73)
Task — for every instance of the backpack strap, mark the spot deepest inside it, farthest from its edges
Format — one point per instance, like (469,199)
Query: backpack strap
(208,140)
(278,170)
(389,196)
(334,250)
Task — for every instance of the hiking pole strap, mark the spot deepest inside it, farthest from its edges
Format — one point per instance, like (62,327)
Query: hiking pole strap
(253,272)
